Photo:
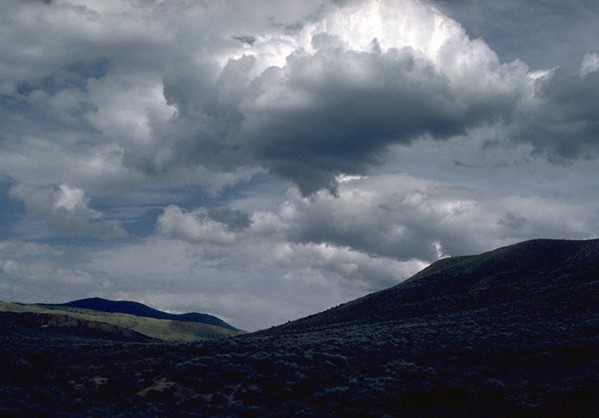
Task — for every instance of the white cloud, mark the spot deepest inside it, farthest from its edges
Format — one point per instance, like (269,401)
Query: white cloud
(194,227)
(72,200)
(66,211)
(590,64)
(28,270)
(402,218)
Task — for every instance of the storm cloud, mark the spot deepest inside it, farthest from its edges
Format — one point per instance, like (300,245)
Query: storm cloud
(562,122)
(154,100)
(327,98)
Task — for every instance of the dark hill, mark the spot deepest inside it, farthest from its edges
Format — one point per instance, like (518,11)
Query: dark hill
(537,277)
(139,309)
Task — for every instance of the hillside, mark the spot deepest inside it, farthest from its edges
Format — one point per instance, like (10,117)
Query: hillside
(508,333)
(549,278)
(44,324)
(139,309)
(160,329)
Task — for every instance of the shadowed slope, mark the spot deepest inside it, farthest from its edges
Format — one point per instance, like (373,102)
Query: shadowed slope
(538,277)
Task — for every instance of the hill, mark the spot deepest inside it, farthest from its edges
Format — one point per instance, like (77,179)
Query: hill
(511,332)
(545,278)
(159,329)
(139,309)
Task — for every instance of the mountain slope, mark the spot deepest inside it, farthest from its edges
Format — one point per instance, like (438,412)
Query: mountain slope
(541,277)
(139,309)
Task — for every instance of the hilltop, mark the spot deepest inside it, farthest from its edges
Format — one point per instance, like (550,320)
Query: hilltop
(139,309)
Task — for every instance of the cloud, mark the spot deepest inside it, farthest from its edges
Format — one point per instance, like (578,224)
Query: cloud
(329,97)
(544,34)
(198,226)
(154,95)
(234,219)
(310,253)
(590,64)
(324,264)
(512,221)
(405,218)
(560,120)
(259,267)
(65,210)
(29,269)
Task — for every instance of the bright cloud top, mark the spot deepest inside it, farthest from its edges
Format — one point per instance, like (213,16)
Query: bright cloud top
(327,98)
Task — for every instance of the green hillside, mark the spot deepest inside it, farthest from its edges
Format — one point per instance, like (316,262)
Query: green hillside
(165,330)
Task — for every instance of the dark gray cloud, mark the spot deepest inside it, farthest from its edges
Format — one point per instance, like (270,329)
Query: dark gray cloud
(235,220)
(513,221)
(331,104)
(343,122)
(562,122)
(308,96)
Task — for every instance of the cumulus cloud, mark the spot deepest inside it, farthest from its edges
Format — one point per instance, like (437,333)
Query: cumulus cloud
(192,227)
(327,98)
(319,91)
(402,218)
(548,33)
(66,211)
(560,121)
(173,93)
(315,252)
(216,226)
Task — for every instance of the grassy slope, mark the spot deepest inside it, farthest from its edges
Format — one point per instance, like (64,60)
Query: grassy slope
(165,330)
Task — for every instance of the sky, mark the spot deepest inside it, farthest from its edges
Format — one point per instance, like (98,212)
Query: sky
(265,160)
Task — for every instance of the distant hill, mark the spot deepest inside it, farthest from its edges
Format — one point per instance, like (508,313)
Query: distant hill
(139,309)
(548,277)
(123,315)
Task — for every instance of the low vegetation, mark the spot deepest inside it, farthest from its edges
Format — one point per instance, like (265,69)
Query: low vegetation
(522,341)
